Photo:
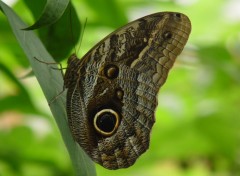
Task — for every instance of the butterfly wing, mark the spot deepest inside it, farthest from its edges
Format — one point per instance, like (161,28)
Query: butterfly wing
(112,90)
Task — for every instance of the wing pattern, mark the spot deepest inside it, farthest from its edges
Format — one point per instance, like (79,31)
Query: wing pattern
(112,90)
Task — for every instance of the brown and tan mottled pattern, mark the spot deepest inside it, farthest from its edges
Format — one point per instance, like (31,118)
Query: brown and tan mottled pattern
(143,51)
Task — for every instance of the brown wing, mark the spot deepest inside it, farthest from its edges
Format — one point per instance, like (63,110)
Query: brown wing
(112,90)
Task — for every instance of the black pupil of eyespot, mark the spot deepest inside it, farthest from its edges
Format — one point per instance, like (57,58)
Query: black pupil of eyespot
(178,15)
(111,71)
(106,122)
(167,35)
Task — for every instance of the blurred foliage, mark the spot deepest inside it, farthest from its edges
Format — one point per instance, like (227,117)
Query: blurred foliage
(197,121)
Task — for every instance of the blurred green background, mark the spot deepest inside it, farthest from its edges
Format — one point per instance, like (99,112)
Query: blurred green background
(197,120)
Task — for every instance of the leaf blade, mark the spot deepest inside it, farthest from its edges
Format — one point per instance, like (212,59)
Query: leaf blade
(51,82)
(53,10)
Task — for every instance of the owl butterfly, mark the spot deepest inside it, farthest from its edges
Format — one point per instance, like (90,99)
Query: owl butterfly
(112,91)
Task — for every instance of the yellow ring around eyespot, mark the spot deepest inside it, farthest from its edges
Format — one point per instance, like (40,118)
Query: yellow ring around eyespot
(116,124)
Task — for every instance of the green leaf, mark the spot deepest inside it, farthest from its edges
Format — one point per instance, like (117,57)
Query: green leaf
(53,10)
(61,37)
(51,82)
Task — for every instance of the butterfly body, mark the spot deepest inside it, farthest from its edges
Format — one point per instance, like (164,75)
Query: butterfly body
(112,90)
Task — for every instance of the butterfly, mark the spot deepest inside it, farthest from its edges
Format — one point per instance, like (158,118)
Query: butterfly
(112,91)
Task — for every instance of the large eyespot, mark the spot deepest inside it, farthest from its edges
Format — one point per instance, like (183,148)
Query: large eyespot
(111,71)
(106,122)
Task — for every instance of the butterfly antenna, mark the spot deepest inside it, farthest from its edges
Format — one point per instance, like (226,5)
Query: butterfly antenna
(81,36)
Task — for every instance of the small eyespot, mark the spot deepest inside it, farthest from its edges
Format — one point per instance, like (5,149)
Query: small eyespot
(111,71)
(167,35)
(119,93)
(106,122)
(177,15)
